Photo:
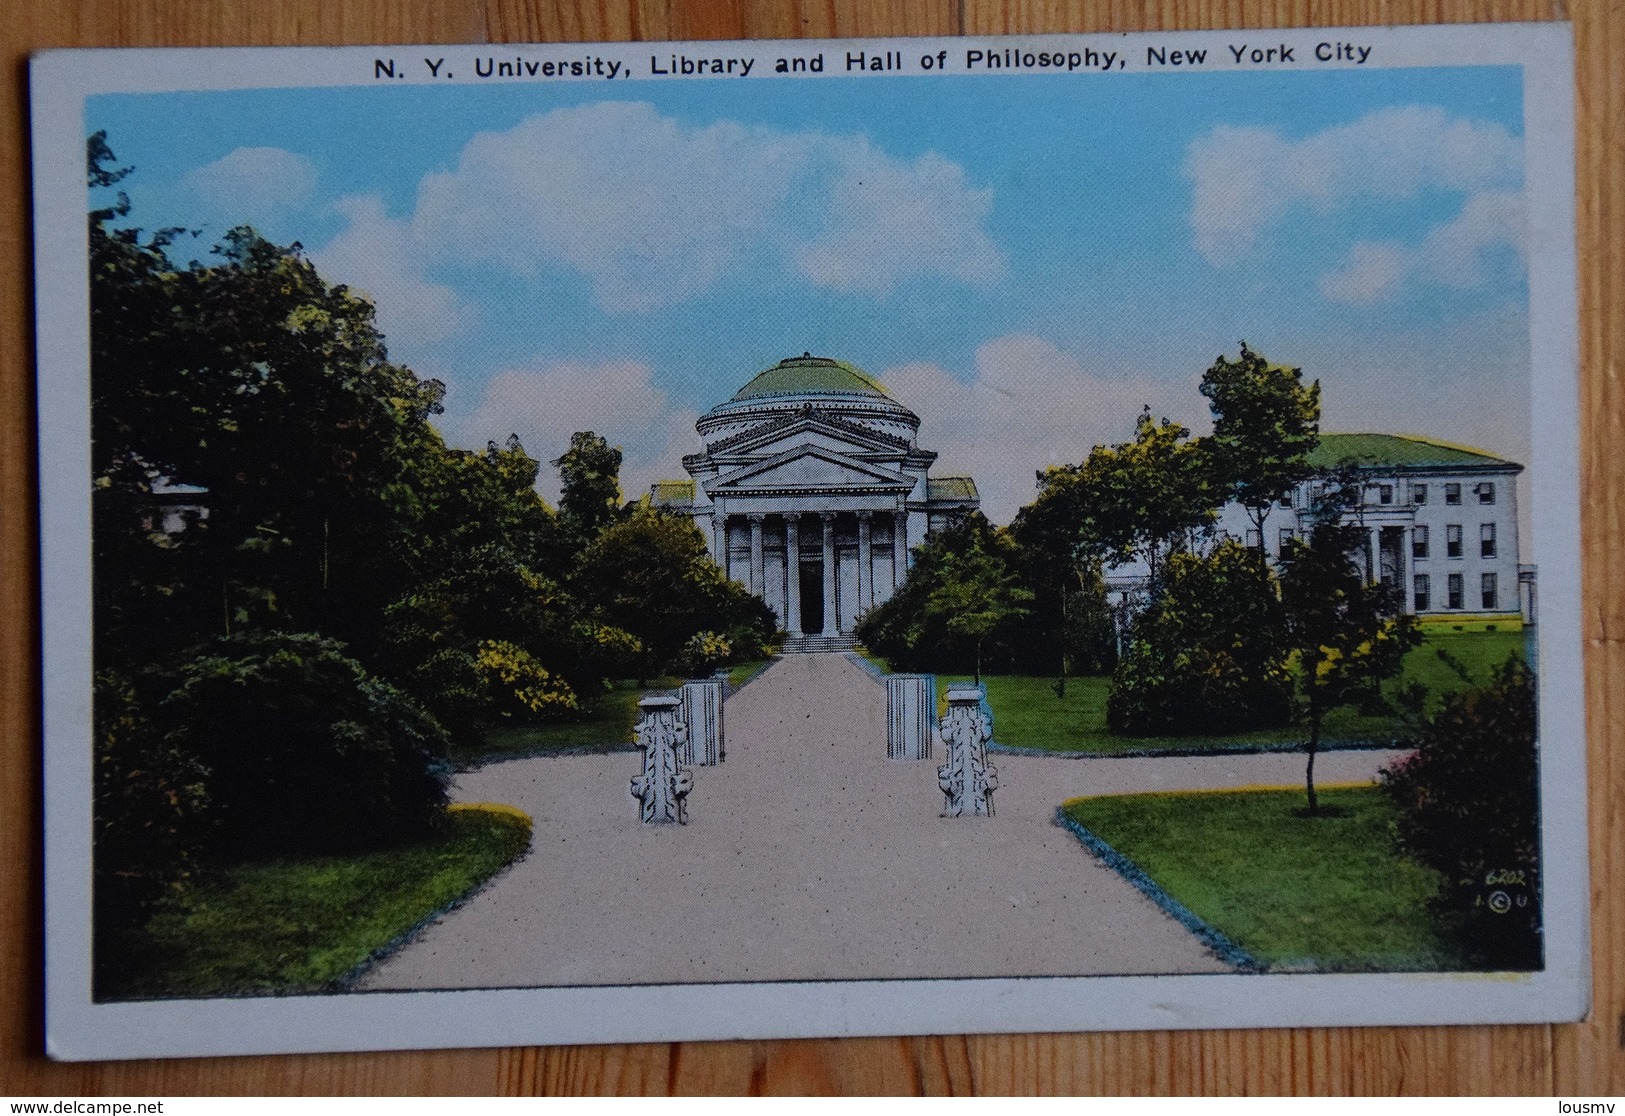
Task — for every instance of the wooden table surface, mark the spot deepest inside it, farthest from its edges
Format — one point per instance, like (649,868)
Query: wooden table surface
(1584,1058)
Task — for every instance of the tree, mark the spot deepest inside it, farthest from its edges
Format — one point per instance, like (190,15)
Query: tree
(976,594)
(650,574)
(1266,422)
(1135,500)
(1469,807)
(1206,654)
(967,571)
(590,497)
(1347,634)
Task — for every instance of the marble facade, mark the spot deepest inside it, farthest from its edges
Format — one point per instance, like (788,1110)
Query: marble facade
(812,489)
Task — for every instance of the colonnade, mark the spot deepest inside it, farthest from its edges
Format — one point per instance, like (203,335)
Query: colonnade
(795,540)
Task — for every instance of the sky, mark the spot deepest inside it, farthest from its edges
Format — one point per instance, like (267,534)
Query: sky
(1025,261)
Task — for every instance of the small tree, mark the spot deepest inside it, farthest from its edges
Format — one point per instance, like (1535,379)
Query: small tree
(1266,422)
(977,594)
(590,495)
(1469,807)
(1347,633)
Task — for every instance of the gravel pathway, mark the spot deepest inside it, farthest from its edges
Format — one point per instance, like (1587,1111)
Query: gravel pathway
(810,856)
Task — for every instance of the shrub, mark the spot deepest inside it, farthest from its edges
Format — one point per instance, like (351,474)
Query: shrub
(1468,801)
(305,752)
(1205,656)
(702,654)
(149,819)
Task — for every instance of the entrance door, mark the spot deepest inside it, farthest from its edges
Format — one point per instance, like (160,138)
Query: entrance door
(812,598)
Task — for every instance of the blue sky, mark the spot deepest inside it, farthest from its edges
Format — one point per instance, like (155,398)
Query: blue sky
(1025,260)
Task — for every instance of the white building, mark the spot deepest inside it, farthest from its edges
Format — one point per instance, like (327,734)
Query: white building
(1442,522)
(811,490)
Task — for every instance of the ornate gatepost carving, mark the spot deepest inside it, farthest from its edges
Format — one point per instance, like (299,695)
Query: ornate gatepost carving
(966,780)
(662,789)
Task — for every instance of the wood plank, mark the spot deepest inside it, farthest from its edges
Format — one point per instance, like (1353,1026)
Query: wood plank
(1585,1058)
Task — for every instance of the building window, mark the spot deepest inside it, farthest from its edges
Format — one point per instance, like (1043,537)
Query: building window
(1419,542)
(1486,584)
(1385,493)
(1284,539)
(1254,539)
(1452,591)
(1486,541)
(1452,493)
(1423,596)
(1452,540)
(1419,493)
(1486,492)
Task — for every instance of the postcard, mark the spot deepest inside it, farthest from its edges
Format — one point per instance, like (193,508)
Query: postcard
(617,542)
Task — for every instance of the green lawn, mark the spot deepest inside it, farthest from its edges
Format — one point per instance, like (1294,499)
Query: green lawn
(1027,713)
(1324,894)
(605,722)
(299,926)
(744,672)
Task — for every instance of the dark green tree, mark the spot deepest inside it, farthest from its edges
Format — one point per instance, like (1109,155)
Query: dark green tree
(1347,634)
(976,594)
(1266,422)
(1138,500)
(590,495)
(1206,655)
(650,574)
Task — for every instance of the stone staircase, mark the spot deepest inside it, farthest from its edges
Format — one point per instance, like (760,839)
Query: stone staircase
(809,644)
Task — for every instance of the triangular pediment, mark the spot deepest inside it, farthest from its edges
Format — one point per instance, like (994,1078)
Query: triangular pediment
(809,468)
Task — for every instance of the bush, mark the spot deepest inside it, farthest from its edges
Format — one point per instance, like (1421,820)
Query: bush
(149,818)
(1468,801)
(1205,656)
(703,653)
(305,752)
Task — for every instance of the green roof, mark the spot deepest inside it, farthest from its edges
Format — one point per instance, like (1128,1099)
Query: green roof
(807,374)
(1395,450)
(951,488)
(667,493)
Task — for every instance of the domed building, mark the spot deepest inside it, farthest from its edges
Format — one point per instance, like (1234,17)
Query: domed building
(811,490)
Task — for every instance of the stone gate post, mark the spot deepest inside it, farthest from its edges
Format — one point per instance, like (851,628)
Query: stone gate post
(911,715)
(967,781)
(702,715)
(662,789)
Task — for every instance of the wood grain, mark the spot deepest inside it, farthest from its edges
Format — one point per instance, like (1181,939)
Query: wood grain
(1586,1058)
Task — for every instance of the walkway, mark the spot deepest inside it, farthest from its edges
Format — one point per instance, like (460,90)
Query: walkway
(810,856)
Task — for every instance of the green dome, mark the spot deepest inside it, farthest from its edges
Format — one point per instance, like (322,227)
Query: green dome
(810,375)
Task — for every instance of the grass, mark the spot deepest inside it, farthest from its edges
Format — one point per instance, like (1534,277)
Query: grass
(1028,714)
(1298,894)
(605,722)
(299,926)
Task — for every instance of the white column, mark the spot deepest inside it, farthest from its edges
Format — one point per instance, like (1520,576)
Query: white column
(829,572)
(899,553)
(792,574)
(758,578)
(1407,585)
(866,569)
(719,538)
(1375,572)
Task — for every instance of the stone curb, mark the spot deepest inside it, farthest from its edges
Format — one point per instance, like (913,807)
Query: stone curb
(1221,947)
(1227,750)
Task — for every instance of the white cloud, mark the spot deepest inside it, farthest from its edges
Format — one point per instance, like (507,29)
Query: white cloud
(1245,180)
(378,255)
(1454,254)
(254,184)
(1372,273)
(547,403)
(653,211)
(1030,405)
(890,221)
